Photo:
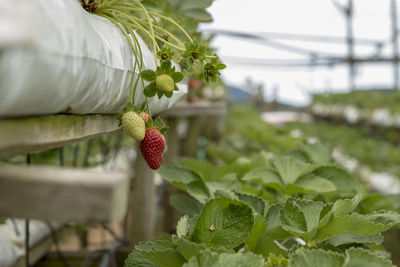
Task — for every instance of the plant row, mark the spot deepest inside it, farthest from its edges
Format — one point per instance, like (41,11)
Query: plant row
(378,107)
(251,206)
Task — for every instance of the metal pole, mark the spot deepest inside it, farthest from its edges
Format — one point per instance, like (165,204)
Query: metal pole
(393,8)
(350,44)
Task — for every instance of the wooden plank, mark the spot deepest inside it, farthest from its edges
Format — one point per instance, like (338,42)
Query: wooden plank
(201,108)
(62,194)
(25,135)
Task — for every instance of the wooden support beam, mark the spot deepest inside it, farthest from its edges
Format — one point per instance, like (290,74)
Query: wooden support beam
(62,194)
(201,108)
(26,135)
(141,203)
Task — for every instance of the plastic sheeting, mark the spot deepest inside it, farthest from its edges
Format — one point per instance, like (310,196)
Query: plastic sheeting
(70,61)
(12,238)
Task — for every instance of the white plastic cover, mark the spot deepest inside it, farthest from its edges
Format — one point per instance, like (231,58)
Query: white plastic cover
(67,60)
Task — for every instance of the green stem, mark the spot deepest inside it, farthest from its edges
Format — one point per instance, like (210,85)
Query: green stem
(172,36)
(132,89)
(135,24)
(173,22)
(151,30)
(211,56)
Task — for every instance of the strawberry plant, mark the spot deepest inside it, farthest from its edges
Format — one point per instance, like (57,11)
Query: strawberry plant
(260,209)
(176,52)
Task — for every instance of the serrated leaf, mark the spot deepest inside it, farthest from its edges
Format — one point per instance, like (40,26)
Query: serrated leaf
(316,257)
(274,228)
(212,259)
(136,259)
(148,75)
(223,222)
(356,257)
(341,178)
(186,180)
(352,238)
(189,249)
(356,223)
(292,216)
(257,203)
(311,183)
(266,177)
(150,90)
(162,253)
(177,77)
(185,204)
(344,206)
(290,169)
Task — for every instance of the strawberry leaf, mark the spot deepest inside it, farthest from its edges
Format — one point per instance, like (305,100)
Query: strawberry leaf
(148,75)
(177,76)
(231,222)
(150,90)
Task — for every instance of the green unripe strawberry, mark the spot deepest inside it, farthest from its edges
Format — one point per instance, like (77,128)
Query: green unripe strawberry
(133,125)
(165,83)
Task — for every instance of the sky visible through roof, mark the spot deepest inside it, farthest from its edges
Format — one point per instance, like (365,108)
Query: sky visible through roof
(310,17)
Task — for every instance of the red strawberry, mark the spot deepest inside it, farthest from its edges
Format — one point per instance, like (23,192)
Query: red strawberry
(144,116)
(152,148)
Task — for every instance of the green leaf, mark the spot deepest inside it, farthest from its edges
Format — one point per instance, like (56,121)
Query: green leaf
(150,90)
(316,257)
(202,167)
(351,239)
(186,180)
(211,259)
(311,183)
(356,223)
(224,222)
(220,66)
(185,226)
(274,228)
(344,206)
(257,203)
(356,257)
(318,153)
(266,177)
(161,253)
(198,14)
(185,204)
(258,229)
(190,249)
(148,75)
(340,177)
(292,217)
(168,94)
(136,259)
(290,169)
(165,65)
(177,77)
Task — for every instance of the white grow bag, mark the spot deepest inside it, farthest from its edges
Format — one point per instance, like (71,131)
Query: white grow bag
(69,61)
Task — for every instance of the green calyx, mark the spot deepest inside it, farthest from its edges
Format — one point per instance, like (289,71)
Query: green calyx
(162,81)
